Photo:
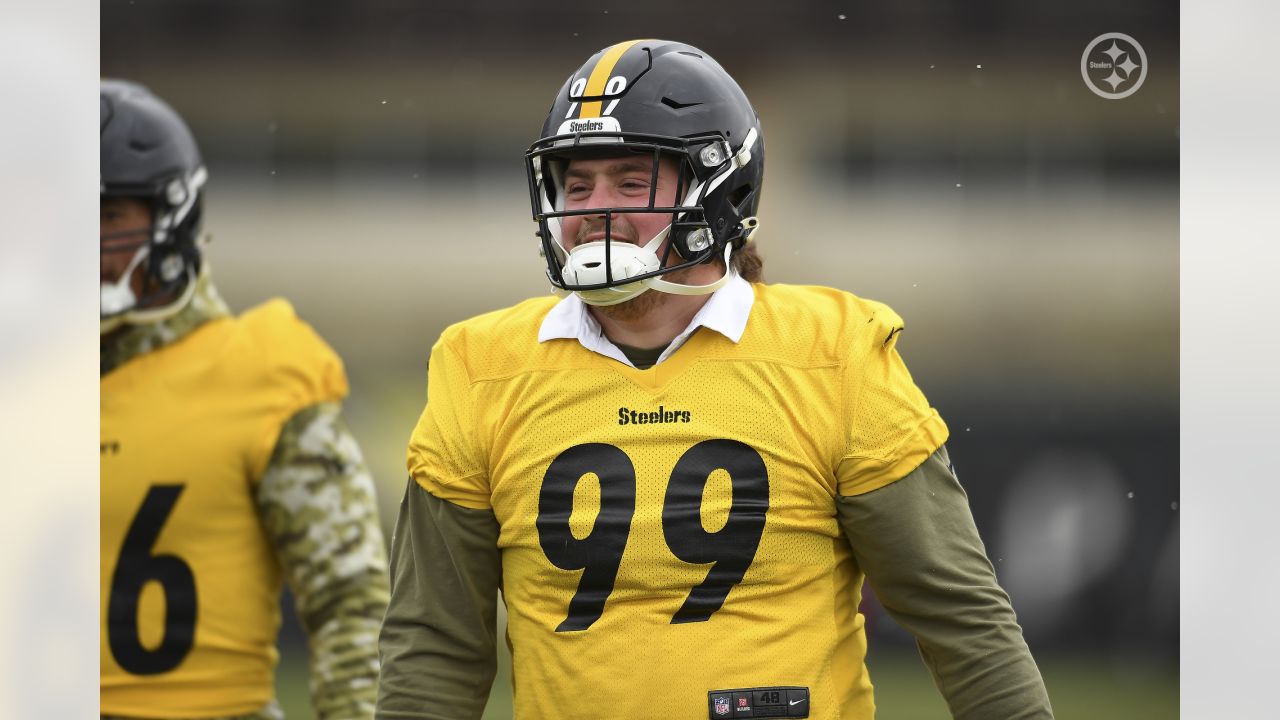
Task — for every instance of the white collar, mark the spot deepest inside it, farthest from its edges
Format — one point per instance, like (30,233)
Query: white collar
(725,312)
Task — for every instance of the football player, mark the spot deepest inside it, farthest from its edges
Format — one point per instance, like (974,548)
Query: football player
(226,466)
(679,476)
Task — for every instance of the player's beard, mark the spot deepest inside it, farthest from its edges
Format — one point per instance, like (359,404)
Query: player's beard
(640,305)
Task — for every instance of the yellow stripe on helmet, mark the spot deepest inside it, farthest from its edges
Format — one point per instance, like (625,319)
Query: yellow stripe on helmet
(600,75)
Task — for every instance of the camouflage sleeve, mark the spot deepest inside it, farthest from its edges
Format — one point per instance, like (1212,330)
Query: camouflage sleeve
(317,503)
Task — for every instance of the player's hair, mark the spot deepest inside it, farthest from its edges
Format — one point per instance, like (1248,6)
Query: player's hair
(747,261)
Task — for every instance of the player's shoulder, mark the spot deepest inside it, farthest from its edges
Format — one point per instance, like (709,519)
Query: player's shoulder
(272,314)
(501,337)
(281,341)
(826,322)
(276,323)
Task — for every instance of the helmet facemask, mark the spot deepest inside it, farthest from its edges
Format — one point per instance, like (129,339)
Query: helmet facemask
(611,271)
(166,254)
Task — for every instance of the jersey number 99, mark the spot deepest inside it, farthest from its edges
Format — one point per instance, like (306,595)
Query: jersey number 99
(599,554)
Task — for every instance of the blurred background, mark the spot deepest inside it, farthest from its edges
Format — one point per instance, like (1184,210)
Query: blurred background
(366,163)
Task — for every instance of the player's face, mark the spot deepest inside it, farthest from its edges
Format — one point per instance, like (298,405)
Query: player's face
(126,223)
(617,182)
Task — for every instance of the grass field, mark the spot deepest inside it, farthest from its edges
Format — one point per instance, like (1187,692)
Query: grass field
(1081,688)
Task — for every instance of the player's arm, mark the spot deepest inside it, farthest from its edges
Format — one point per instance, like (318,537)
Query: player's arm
(317,503)
(917,542)
(439,638)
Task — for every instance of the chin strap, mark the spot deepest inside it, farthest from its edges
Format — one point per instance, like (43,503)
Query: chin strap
(615,295)
(143,316)
(667,286)
(118,299)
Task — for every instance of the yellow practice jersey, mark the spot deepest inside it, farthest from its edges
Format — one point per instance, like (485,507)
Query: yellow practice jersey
(669,535)
(190,584)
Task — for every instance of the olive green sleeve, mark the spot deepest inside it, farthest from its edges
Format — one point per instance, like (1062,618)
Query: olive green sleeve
(917,542)
(439,638)
(317,504)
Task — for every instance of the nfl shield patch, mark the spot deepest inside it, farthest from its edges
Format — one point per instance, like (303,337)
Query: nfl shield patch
(722,706)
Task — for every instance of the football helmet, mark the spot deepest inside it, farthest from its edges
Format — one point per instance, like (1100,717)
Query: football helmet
(148,153)
(666,100)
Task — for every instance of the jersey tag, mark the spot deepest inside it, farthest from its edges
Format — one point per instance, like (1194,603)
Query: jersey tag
(759,702)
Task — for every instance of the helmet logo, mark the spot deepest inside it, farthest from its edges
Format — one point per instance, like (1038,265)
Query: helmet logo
(606,124)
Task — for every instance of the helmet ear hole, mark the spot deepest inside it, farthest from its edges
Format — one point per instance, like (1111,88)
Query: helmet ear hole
(740,196)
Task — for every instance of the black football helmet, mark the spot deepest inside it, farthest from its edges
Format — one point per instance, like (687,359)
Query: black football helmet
(666,100)
(148,153)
